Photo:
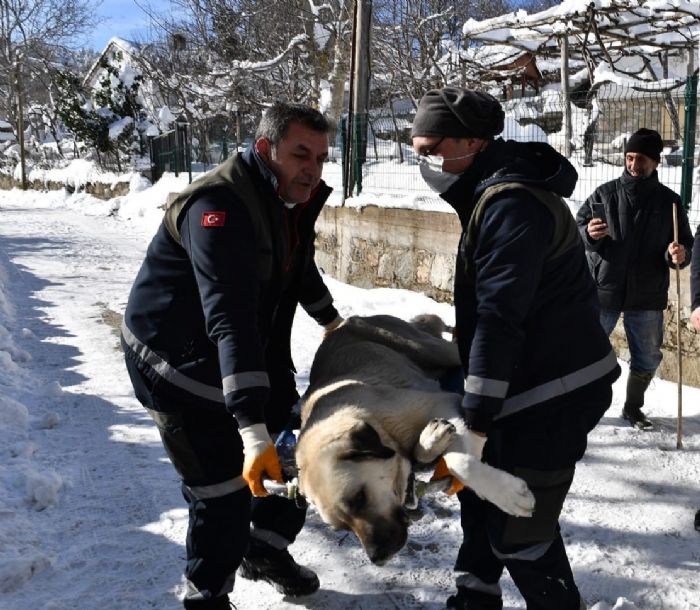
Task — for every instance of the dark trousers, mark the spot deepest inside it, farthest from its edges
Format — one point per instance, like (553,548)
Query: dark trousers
(205,448)
(542,447)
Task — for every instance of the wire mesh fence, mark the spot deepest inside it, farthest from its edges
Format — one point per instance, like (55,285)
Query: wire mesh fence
(602,120)
(601,123)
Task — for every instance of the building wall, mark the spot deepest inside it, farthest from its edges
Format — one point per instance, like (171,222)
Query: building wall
(399,248)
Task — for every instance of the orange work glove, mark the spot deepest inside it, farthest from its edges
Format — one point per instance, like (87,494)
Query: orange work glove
(472,448)
(260,458)
(331,326)
(441,472)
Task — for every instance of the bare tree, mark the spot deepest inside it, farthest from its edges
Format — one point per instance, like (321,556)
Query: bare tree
(416,43)
(223,61)
(34,37)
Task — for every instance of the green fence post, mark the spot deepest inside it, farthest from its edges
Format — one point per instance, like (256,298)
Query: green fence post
(691,106)
(224,149)
(357,149)
(343,149)
(188,155)
(176,154)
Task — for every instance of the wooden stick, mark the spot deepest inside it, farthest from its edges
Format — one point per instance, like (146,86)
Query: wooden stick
(679,421)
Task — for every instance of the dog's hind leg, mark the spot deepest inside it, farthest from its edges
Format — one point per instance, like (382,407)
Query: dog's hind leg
(434,440)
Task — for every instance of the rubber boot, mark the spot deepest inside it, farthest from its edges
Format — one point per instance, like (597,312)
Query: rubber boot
(637,384)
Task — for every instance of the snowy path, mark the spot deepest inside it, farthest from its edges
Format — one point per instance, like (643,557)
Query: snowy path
(113,534)
(102,449)
(91,515)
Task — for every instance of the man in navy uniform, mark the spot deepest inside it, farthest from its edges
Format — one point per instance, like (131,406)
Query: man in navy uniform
(206,336)
(539,369)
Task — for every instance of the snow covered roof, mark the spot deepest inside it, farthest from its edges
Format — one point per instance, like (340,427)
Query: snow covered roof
(638,41)
(490,56)
(603,25)
(114,45)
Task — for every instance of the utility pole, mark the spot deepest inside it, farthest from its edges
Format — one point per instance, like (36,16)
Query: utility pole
(690,119)
(359,96)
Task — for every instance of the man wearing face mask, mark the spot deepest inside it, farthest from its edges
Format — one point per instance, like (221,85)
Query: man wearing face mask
(627,228)
(206,337)
(538,367)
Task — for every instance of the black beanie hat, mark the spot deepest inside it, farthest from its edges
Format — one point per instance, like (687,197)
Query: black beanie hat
(645,141)
(458,113)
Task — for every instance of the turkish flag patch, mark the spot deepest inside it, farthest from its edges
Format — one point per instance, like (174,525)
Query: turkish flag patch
(213,219)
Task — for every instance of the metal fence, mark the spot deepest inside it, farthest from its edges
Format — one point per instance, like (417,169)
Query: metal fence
(601,122)
(600,125)
(170,152)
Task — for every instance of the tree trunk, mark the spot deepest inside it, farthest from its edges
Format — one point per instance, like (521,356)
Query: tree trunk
(313,52)
(339,76)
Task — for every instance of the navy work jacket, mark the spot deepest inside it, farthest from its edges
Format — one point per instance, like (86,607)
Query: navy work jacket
(210,315)
(527,321)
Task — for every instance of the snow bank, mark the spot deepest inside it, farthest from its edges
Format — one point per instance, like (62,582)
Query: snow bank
(25,486)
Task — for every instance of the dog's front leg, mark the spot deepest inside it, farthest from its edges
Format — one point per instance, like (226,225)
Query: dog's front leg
(509,493)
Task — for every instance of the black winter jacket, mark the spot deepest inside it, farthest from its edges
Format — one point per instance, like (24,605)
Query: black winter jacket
(631,265)
(209,316)
(526,312)
(695,272)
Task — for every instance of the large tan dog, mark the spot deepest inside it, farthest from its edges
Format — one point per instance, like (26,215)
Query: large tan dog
(373,406)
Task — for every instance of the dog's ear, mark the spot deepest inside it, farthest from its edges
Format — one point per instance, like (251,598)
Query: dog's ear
(366,445)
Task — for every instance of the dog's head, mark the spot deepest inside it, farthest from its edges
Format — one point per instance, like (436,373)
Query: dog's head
(357,481)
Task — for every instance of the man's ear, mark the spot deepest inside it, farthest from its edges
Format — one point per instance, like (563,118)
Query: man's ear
(477,145)
(264,148)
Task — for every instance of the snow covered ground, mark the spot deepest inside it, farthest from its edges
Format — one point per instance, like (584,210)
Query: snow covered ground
(90,511)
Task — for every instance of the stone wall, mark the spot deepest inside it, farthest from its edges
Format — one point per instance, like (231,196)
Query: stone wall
(399,248)
(387,247)
(96,189)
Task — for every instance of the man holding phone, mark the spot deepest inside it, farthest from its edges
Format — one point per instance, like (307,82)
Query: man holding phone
(628,229)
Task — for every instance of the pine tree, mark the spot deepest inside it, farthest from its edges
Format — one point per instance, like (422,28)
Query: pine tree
(76,112)
(109,119)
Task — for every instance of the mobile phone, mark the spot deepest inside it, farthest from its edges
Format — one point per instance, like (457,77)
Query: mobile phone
(599,211)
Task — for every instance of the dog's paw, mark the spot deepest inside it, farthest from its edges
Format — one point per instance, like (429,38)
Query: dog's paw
(434,440)
(509,493)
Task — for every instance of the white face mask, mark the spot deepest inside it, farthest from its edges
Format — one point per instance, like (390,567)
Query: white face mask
(435,177)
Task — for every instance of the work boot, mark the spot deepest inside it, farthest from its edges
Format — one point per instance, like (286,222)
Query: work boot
(637,384)
(277,567)
(218,603)
(469,599)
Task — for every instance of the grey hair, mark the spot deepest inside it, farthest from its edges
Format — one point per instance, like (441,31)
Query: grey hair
(277,118)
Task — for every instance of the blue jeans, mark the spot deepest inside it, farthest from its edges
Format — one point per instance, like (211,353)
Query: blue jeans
(644,331)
